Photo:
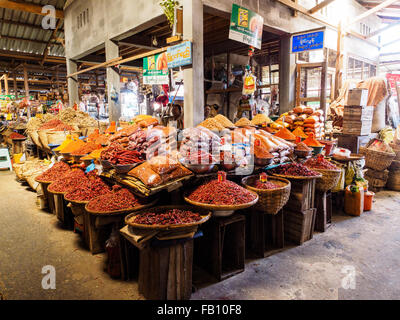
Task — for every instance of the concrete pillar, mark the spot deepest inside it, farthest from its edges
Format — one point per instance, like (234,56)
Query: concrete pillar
(193,78)
(113,82)
(73,95)
(287,76)
(26,84)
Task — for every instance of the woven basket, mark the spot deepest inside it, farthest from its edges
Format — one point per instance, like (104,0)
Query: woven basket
(270,201)
(330,179)
(377,160)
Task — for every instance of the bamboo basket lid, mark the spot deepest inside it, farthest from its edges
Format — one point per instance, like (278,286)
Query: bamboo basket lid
(118,212)
(205,216)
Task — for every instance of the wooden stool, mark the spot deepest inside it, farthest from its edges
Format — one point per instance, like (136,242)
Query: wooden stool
(165,270)
(324,211)
(265,232)
(221,251)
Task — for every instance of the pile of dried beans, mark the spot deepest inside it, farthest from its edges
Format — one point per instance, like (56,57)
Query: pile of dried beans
(296,170)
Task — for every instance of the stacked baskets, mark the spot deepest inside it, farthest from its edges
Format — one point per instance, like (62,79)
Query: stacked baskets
(329,180)
(377,160)
(270,201)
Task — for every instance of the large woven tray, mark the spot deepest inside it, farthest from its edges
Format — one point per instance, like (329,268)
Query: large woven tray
(206,215)
(215,207)
(118,212)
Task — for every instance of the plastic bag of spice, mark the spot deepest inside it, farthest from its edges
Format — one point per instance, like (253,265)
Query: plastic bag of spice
(113,254)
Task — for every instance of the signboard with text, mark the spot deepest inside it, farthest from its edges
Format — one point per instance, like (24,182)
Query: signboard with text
(155,69)
(179,55)
(308,41)
(394,80)
(246,26)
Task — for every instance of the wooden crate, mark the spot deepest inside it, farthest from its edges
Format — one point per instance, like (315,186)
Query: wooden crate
(165,272)
(323,217)
(63,212)
(221,251)
(302,195)
(97,230)
(353,142)
(264,233)
(299,225)
(358,113)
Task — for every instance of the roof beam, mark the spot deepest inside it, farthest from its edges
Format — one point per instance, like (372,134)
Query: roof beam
(391,42)
(379,7)
(24,39)
(28,7)
(28,25)
(30,56)
(295,6)
(318,7)
(375,33)
(374,4)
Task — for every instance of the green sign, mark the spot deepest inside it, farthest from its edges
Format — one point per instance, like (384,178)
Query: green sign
(155,69)
(246,26)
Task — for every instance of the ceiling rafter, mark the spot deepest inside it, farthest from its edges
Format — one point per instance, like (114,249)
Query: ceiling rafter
(28,7)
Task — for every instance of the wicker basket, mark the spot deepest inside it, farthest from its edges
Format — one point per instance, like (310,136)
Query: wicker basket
(330,179)
(270,201)
(377,160)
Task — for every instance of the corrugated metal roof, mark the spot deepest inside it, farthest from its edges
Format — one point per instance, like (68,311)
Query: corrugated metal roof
(14,24)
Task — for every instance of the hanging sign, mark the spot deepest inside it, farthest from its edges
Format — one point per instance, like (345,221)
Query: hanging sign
(155,69)
(308,41)
(394,80)
(246,26)
(179,55)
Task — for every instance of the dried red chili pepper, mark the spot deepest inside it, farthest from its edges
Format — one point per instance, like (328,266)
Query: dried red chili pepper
(221,193)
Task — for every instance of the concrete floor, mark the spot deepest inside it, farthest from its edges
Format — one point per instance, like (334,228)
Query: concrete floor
(370,245)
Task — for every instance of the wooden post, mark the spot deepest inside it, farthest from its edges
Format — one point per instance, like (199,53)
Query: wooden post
(339,61)
(15,84)
(324,77)
(26,85)
(6,83)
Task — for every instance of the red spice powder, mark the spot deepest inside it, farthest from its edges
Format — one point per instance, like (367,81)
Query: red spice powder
(16,135)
